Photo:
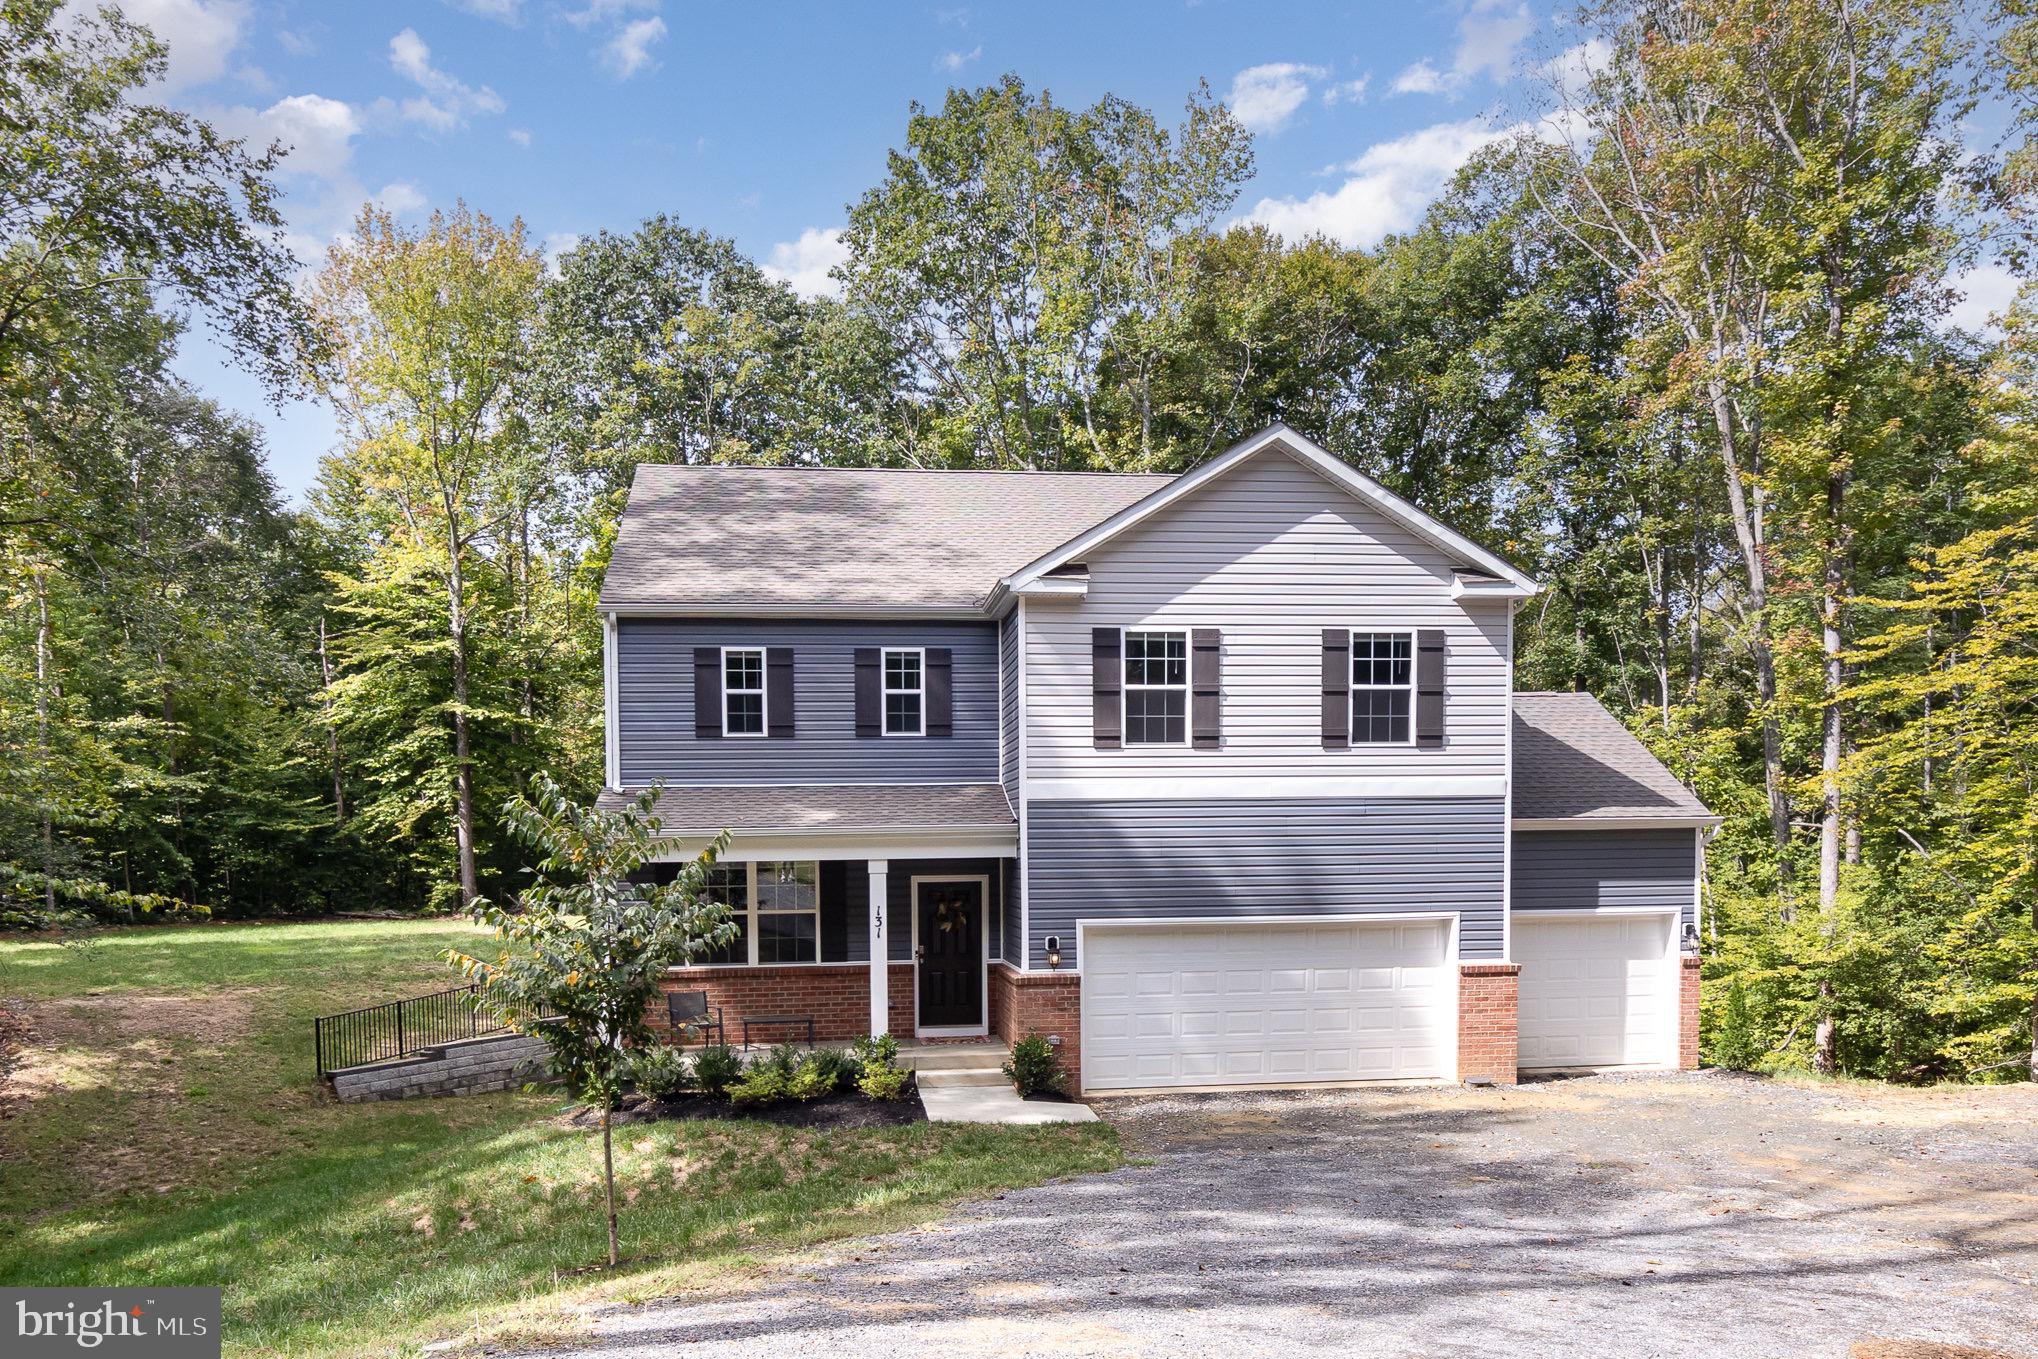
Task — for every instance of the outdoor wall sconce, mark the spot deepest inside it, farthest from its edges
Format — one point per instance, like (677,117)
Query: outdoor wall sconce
(1690,937)
(1053,952)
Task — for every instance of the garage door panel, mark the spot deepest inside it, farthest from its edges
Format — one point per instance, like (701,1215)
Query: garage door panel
(1596,991)
(1299,1003)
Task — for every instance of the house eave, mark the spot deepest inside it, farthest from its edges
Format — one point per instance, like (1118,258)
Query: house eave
(1676,821)
(754,609)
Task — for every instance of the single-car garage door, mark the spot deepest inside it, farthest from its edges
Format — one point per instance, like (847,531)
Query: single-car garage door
(1597,991)
(1259,1004)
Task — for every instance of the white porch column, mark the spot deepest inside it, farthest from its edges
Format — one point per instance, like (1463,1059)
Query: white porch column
(880,950)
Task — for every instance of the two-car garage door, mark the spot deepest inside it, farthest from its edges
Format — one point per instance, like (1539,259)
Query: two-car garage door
(1267,1004)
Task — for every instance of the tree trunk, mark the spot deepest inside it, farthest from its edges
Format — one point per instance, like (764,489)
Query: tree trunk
(42,737)
(325,668)
(463,771)
(608,1171)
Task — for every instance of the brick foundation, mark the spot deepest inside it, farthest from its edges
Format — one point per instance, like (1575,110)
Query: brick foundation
(837,995)
(1687,1014)
(1489,1008)
(1047,1003)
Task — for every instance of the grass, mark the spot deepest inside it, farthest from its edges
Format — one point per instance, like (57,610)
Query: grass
(167,1129)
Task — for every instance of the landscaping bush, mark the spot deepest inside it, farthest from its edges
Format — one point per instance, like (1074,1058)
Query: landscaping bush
(716,1068)
(878,1073)
(762,1084)
(1034,1067)
(1736,1045)
(659,1071)
(837,1066)
(811,1079)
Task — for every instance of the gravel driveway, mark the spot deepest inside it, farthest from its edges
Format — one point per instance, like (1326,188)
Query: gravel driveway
(1697,1214)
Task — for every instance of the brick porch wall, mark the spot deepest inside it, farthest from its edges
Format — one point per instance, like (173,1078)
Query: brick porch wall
(1048,1003)
(837,995)
(1687,1014)
(1489,1009)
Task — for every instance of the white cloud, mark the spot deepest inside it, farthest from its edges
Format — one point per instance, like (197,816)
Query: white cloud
(1421,78)
(1264,98)
(1388,189)
(955,61)
(601,11)
(1986,291)
(804,264)
(447,102)
(318,132)
(1571,71)
(502,11)
(201,35)
(1489,35)
(400,198)
(1347,91)
(629,51)
(520,136)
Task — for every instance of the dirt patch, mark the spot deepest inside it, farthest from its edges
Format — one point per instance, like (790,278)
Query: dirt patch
(833,1111)
(14,1038)
(1875,1348)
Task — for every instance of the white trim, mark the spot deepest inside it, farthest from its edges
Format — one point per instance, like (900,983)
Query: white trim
(1673,962)
(1352,686)
(880,947)
(1608,823)
(885,691)
(1507,809)
(1552,912)
(1310,455)
(1024,962)
(1107,789)
(763,692)
(612,736)
(1454,958)
(744,608)
(1057,587)
(1125,685)
(999,842)
(1462,590)
(978,1030)
(1698,839)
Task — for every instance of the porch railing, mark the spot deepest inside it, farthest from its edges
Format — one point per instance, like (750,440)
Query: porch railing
(381,1033)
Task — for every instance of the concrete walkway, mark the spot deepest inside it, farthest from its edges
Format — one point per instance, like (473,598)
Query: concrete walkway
(996,1104)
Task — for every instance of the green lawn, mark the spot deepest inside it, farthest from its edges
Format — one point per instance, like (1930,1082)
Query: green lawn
(166,1128)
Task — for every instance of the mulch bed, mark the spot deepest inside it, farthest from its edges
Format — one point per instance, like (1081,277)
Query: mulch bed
(830,1111)
(1049,1097)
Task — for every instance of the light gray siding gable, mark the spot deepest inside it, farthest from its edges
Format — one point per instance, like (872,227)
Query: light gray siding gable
(1601,869)
(655,716)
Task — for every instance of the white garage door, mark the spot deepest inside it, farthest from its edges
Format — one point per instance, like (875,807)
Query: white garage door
(1597,991)
(1252,1004)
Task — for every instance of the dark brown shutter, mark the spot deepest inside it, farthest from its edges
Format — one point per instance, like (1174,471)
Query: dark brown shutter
(870,703)
(940,698)
(1107,676)
(778,691)
(1429,687)
(1206,667)
(1337,689)
(707,691)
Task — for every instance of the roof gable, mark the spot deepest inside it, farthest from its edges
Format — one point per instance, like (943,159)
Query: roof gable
(1574,762)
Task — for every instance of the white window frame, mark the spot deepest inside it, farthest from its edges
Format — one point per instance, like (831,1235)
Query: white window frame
(885,689)
(752,910)
(763,692)
(1353,687)
(1126,686)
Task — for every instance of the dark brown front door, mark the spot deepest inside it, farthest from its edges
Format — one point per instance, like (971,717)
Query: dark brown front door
(951,954)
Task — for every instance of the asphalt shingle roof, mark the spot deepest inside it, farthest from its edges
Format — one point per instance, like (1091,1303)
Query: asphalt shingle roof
(845,537)
(825,807)
(1573,760)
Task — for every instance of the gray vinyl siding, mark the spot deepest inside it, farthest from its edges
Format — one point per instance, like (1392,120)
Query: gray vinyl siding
(654,705)
(1271,555)
(1008,706)
(1585,869)
(1235,858)
(899,875)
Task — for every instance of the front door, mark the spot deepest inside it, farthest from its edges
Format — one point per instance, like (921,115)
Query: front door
(949,954)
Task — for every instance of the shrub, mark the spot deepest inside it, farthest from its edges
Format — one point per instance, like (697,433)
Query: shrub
(875,1050)
(883,1082)
(784,1059)
(1034,1066)
(1736,1046)
(659,1071)
(764,1083)
(716,1068)
(837,1066)
(811,1079)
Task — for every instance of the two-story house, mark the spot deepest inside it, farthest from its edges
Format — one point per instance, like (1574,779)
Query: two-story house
(1220,779)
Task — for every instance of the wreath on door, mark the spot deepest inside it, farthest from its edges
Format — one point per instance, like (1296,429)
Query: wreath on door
(948,914)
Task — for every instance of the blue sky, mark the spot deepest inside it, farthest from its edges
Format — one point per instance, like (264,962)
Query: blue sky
(760,121)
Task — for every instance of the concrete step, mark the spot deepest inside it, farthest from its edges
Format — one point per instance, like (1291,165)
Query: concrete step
(953,1056)
(943,1077)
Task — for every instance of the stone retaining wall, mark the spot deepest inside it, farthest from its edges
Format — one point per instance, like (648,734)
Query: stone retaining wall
(474,1066)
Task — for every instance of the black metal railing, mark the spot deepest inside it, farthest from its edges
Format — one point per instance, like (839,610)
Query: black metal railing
(380,1033)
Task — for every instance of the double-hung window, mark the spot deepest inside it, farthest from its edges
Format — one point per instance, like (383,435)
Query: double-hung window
(776,909)
(742,691)
(1383,687)
(1156,687)
(905,692)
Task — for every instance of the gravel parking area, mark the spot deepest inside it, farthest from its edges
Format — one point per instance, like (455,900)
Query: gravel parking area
(1692,1214)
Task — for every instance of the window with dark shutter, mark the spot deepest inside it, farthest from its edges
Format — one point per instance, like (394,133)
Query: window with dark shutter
(1337,689)
(1206,688)
(707,691)
(1429,687)
(940,691)
(1383,683)
(869,691)
(778,692)
(1106,722)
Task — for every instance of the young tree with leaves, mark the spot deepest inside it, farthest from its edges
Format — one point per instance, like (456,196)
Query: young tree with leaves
(583,947)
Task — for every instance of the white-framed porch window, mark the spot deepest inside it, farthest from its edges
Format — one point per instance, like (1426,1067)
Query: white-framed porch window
(1156,689)
(742,691)
(1383,688)
(905,691)
(776,907)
